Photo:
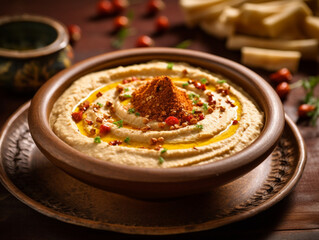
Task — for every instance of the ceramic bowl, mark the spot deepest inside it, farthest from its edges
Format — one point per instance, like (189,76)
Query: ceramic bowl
(151,182)
(32,49)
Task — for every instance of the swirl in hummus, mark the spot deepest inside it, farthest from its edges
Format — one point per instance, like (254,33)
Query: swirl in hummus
(156,114)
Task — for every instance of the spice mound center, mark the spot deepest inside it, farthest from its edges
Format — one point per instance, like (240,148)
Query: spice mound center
(160,98)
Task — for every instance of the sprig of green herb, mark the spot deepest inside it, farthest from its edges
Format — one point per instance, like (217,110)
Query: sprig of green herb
(99,104)
(97,139)
(309,86)
(126,89)
(123,33)
(119,123)
(137,114)
(120,37)
(127,95)
(314,114)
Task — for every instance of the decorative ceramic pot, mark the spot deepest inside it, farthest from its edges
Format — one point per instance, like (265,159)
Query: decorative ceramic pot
(32,49)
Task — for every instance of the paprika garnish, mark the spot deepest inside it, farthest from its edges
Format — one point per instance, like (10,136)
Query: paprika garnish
(84,106)
(77,116)
(104,129)
(160,99)
(200,86)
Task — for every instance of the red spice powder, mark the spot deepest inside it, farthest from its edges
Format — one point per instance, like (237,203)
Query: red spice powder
(160,98)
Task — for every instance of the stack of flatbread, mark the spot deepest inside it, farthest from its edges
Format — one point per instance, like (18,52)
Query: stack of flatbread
(270,34)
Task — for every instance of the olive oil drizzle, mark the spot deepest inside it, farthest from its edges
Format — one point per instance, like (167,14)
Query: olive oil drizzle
(228,132)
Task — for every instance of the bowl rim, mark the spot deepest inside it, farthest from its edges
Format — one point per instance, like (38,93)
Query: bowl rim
(67,156)
(59,43)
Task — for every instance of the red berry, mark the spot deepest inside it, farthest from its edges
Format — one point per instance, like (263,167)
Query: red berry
(104,129)
(74,32)
(283,89)
(120,22)
(144,41)
(154,6)
(120,5)
(282,75)
(104,7)
(162,23)
(171,121)
(77,116)
(304,109)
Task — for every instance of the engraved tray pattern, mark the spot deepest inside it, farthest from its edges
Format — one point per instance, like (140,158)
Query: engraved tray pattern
(34,180)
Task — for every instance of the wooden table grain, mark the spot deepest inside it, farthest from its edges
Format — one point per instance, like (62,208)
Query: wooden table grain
(295,217)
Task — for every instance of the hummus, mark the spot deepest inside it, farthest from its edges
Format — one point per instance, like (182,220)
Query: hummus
(156,114)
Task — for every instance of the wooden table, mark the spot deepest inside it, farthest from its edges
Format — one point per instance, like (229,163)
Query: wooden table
(295,217)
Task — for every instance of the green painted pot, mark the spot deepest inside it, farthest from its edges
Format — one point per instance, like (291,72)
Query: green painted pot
(32,50)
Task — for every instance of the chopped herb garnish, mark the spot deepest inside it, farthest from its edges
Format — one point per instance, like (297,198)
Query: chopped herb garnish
(193,111)
(195,102)
(199,126)
(164,150)
(99,104)
(161,160)
(119,123)
(185,84)
(127,140)
(170,65)
(221,81)
(127,95)
(203,80)
(126,89)
(193,95)
(137,114)
(97,139)
(205,106)
(184,44)
(131,110)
